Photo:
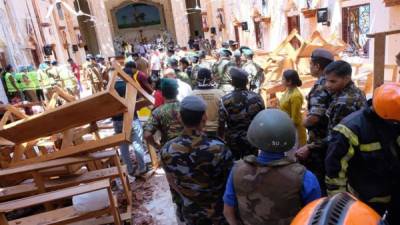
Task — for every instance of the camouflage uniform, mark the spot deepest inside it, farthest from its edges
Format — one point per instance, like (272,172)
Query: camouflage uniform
(183,76)
(255,74)
(165,119)
(197,167)
(222,76)
(237,109)
(349,100)
(318,102)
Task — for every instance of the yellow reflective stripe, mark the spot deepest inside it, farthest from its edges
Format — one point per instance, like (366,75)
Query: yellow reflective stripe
(384,199)
(347,133)
(336,191)
(336,181)
(370,147)
(344,162)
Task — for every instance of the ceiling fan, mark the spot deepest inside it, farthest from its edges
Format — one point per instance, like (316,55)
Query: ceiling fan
(67,7)
(197,6)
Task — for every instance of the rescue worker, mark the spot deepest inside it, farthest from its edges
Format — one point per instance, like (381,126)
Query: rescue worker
(34,77)
(222,71)
(54,74)
(103,67)
(68,81)
(137,129)
(85,71)
(142,63)
(165,117)
(346,97)
(237,58)
(28,86)
(363,153)
(340,209)
(200,188)
(256,74)
(312,155)
(183,76)
(236,111)
(44,80)
(13,88)
(185,67)
(202,60)
(94,75)
(273,187)
(212,96)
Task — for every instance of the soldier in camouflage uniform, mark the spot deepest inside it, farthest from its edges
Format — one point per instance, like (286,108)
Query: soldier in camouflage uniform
(236,111)
(346,97)
(316,122)
(197,167)
(183,76)
(256,74)
(165,117)
(221,69)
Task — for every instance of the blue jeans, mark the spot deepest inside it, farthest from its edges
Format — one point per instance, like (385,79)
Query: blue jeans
(137,142)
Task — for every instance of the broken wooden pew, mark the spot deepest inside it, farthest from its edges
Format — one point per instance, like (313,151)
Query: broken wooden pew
(42,184)
(67,118)
(64,215)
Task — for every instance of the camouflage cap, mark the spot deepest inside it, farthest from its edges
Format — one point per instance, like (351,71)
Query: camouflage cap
(224,52)
(193,103)
(237,53)
(322,53)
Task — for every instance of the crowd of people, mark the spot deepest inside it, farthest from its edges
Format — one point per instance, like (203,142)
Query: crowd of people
(229,158)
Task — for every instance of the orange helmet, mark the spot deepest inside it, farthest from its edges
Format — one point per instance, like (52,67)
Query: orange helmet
(341,209)
(386,101)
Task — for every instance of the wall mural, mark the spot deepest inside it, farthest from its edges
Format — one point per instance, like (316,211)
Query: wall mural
(137,15)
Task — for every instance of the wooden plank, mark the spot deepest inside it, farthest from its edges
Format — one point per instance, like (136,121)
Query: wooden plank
(132,82)
(64,215)
(16,112)
(86,147)
(90,176)
(22,190)
(383,33)
(131,94)
(5,118)
(64,117)
(57,162)
(379,59)
(63,94)
(55,195)
(105,220)
(113,208)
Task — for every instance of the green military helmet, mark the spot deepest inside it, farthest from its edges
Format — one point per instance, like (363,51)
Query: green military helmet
(272,130)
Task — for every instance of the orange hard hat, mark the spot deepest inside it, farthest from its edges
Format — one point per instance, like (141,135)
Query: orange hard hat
(341,209)
(386,101)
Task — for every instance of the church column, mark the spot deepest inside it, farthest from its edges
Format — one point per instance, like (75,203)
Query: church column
(103,30)
(181,23)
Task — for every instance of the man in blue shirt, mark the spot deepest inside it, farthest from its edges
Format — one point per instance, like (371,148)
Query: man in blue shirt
(273,187)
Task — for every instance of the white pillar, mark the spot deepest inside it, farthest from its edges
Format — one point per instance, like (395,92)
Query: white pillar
(103,30)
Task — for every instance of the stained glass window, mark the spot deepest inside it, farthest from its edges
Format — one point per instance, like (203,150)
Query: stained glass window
(356,24)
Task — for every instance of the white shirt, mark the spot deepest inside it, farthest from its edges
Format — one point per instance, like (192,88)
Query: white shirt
(155,62)
(184,90)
